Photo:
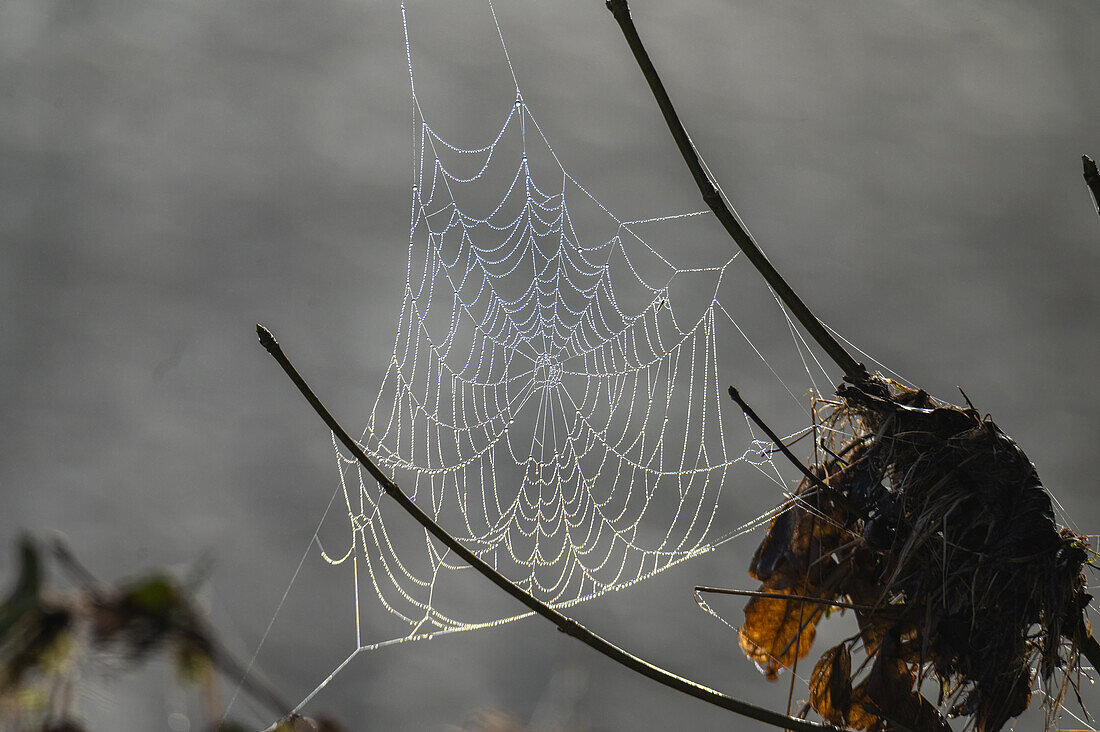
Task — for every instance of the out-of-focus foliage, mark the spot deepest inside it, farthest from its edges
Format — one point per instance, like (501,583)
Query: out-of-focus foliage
(493,720)
(52,638)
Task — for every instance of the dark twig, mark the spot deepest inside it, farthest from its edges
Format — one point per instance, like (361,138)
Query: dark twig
(231,668)
(816,480)
(564,624)
(712,195)
(776,439)
(784,596)
(1087,644)
(1092,180)
(1091,650)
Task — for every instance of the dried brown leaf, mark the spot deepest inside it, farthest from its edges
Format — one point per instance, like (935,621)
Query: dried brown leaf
(797,538)
(777,631)
(1007,699)
(890,689)
(831,685)
(860,714)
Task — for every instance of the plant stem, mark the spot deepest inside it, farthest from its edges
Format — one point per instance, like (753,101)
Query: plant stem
(712,195)
(564,624)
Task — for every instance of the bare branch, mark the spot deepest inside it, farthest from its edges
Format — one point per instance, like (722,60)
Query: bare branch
(564,624)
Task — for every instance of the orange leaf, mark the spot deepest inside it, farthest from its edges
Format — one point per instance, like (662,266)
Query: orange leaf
(777,631)
(831,685)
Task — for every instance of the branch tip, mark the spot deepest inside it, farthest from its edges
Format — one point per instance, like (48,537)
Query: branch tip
(267,340)
(617,6)
(1092,179)
(1091,172)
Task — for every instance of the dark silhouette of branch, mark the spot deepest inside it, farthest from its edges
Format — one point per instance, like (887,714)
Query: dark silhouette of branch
(838,497)
(704,589)
(564,624)
(1092,179)
(1086,642)
(712,195)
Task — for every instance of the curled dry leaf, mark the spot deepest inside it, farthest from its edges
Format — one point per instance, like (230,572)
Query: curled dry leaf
(778,631)
(831,685)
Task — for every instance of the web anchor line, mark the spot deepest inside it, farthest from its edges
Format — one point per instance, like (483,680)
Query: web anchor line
(712,195)
(564,623)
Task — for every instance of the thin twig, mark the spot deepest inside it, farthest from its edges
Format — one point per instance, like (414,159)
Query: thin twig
(1092,179)
(785,596)
(1086,642)
(564,624)
(816,480)
(231,668)
(712,195)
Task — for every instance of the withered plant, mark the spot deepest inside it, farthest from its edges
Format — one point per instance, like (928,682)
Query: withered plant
(932,526)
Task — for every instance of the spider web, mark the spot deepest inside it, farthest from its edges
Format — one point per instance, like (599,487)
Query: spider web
(547,400)
(554,398)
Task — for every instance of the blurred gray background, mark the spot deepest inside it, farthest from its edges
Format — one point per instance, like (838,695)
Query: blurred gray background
(173,171)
